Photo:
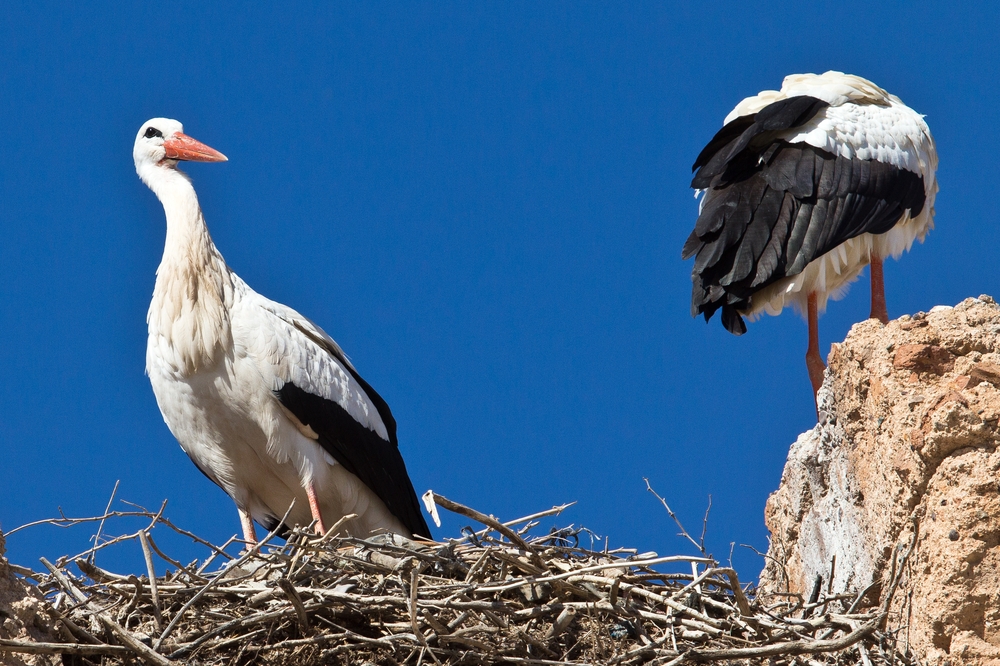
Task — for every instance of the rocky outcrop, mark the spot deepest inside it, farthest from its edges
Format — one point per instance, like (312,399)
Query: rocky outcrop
(907,443)
(23,617)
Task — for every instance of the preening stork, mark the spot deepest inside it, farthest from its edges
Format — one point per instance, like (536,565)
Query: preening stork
(804,187)
(264,402)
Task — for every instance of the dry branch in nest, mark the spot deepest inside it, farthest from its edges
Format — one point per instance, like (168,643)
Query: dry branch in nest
(497,596)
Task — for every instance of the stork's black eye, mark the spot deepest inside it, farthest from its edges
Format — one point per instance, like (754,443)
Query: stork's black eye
(152,131)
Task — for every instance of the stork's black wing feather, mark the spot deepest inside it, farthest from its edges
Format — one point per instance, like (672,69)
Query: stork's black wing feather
(775,206)
(735,147)
(729,134)
(374,460)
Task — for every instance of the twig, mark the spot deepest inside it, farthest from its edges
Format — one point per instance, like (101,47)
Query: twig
(172,561)
(296,601)
(683,532)
(463,510)
(153,589)
(335,528)
(898,571)
(554,511)
(136,595)
(789,649)
(65,522)
(81,650)
(412,603)
(100,526)
(211,558)
(704,524)
(733,584)
(598,567)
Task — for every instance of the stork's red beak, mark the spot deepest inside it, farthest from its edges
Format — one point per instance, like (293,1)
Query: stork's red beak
(182,147)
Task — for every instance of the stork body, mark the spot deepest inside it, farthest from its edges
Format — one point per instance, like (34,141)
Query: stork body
(804,187)
(264,402)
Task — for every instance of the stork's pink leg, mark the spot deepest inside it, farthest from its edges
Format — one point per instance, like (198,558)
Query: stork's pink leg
(879,310)
(249,533)
(814,362)
(314,508)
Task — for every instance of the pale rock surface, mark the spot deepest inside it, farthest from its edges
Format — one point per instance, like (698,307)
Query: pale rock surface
(22,617)
(907,436)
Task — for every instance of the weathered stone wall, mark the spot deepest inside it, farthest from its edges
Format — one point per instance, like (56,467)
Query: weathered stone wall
(907,436)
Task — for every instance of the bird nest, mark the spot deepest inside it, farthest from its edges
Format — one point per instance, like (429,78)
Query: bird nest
(500,595)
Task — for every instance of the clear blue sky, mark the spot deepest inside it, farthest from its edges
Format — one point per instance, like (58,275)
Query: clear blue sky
(484,204)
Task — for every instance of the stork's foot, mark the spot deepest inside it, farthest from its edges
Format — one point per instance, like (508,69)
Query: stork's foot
(314,508)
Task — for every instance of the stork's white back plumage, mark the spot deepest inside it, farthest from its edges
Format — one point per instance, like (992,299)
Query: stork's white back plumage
(263,401)
(804,187)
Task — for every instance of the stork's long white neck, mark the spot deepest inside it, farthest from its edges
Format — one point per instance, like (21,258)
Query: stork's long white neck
(189,316)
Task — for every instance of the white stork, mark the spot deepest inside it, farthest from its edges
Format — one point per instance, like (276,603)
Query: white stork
(804,187)
(263,401)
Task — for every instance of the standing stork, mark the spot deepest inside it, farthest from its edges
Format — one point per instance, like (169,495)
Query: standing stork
(264,402)
(804,187)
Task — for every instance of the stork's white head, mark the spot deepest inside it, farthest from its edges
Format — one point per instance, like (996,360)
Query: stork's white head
(161,143)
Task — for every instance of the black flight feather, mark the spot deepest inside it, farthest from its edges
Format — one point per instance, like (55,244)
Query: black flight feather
(736,154)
